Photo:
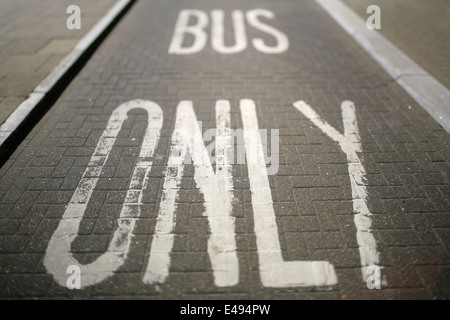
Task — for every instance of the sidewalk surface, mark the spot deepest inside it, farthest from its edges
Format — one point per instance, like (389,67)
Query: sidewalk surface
(404,151)
(421,29)
(34,39)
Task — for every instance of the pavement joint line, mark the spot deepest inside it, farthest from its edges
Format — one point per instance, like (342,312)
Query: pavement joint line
(419,84)
(10,128)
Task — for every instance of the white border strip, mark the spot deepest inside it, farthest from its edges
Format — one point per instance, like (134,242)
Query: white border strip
(28,105)
(421,86)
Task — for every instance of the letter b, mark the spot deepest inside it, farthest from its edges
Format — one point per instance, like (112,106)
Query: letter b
(182,27)
(73,21)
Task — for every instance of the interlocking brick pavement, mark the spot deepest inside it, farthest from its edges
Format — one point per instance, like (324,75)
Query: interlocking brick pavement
(404,151)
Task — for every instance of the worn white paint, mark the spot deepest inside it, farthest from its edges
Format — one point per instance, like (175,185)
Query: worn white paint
(224,151)
(217,192)
(350,143)
(274,271)
(282,40)
(182,27)
(223,256)
(200,35)
(218,32)
(58,255)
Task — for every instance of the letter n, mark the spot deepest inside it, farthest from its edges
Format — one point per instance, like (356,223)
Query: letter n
(215,187)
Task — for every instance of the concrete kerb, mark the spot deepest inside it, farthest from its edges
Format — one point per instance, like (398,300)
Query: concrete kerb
(27,114)
(420,85)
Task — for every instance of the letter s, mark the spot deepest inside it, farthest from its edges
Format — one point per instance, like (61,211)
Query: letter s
(282,39)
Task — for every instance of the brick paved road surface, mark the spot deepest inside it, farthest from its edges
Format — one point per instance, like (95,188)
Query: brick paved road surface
(404,153)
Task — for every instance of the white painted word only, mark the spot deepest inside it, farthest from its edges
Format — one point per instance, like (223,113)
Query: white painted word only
(198,32)
(217,190)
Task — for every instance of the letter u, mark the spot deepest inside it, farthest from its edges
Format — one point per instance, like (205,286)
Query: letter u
(58,256)
(218,32)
